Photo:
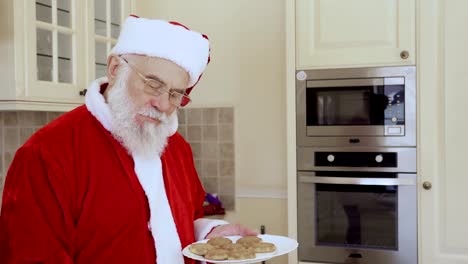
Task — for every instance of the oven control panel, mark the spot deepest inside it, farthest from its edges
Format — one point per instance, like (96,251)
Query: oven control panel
(356,159)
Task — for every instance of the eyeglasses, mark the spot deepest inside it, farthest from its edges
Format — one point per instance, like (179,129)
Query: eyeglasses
(155,87)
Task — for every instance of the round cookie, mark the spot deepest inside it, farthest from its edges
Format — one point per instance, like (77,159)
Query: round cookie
(200,248)
(217,254)
(219,242)
(263,247)
(249,240)
(234,247)
(241,254)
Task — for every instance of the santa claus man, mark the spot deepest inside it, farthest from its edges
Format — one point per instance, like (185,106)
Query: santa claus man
(112,181)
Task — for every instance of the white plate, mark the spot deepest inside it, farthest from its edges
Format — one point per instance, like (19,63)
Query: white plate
(283,245)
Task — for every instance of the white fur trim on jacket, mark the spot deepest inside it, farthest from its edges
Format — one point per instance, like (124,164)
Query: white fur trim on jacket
(97,105)
(163,228)
(159,38)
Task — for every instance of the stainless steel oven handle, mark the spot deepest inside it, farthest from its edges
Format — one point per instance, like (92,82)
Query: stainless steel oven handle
(357,181)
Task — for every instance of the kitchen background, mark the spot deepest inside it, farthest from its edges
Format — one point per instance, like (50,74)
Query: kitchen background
(241,97)
(255,45)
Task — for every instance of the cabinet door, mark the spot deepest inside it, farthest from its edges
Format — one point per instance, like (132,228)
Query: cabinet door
(104,25)
(443,79)
(54,69)
(337,33)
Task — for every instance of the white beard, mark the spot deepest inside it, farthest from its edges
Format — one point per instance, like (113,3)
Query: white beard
(145,140)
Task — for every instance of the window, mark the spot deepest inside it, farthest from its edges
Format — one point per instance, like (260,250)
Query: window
(108,18)
(55,41)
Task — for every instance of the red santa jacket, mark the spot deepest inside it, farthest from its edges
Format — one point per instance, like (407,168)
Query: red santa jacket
(72,196)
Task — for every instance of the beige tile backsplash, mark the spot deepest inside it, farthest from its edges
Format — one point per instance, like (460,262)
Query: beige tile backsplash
(208,130)
(210,133)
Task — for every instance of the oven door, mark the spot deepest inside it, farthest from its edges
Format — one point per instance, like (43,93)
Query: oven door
(357,219)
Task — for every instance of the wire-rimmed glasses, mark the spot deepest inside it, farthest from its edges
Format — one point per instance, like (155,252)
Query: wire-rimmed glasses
(155,87)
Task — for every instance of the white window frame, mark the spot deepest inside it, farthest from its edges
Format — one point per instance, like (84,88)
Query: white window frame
(125,10)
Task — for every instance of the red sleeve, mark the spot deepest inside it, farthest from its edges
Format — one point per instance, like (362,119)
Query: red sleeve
(198,192)
(35,222)
(200,198)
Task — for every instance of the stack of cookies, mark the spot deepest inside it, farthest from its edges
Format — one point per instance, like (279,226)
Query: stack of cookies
(222,248)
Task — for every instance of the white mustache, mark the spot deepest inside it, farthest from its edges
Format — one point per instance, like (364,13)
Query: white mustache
(154,114)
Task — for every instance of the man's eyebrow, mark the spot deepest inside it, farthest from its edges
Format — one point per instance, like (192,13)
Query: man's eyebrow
(156,78)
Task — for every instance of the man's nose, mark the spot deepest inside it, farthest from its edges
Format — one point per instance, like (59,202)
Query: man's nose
(161,102)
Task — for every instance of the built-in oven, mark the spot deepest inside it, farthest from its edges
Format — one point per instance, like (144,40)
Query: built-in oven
(357,205)
(359,107)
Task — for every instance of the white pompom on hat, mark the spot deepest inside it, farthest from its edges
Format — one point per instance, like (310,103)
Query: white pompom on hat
(168,40)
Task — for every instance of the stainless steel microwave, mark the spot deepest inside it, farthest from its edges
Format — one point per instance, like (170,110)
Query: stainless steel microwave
(356,107)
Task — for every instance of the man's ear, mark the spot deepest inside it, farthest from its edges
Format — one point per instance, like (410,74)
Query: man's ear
(113,63)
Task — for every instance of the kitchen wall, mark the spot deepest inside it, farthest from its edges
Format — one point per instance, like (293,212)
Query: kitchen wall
(208,130)
(210,134)
(247,72)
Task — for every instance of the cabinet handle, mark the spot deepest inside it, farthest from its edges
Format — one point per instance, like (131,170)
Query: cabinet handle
(83,92)
(404,54)
(427,185)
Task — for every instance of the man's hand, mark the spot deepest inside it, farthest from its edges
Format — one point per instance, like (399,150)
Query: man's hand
(231,230)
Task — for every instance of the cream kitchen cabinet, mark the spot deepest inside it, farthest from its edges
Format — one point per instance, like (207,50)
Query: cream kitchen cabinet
(358,33)
(443,130)
(51,49)
(442,78)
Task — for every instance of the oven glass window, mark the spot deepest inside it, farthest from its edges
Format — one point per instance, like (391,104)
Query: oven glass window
(363,216)
(355,106)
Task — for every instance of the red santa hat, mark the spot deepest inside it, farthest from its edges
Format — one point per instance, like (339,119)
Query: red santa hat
(168,40)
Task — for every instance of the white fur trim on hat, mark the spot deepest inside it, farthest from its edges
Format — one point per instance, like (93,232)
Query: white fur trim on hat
(158,38)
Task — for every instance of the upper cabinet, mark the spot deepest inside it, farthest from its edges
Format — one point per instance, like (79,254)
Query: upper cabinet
(107,18)
(52,49)
(358,33)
